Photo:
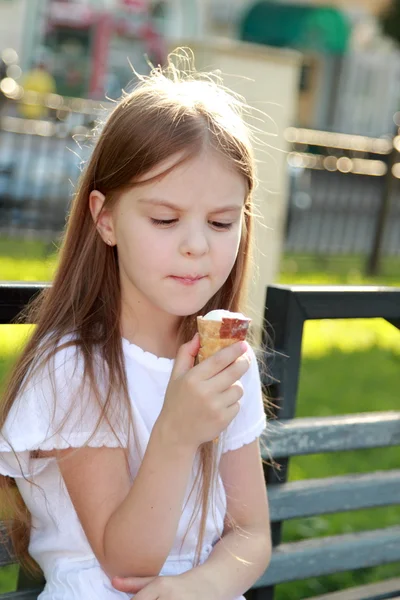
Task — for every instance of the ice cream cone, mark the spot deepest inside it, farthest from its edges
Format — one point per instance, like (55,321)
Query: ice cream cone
(215,335)
(220,330)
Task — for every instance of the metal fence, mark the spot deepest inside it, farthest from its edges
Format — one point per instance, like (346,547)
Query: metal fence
(361,107)
(344,194)
(336,213)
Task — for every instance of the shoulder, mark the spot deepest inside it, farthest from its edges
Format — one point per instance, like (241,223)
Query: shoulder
(56,407)
(58,378)
(60,362)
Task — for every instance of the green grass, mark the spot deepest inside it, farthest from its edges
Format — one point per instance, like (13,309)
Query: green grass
(348,366)
(8,578)
(337,270)
(28,260)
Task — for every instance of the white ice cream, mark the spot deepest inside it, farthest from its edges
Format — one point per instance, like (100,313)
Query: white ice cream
(218,315)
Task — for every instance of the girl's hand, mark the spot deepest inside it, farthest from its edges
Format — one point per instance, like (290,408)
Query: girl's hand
(201,401)
(180,587)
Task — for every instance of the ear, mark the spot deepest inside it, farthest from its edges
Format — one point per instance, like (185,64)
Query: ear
(102,217)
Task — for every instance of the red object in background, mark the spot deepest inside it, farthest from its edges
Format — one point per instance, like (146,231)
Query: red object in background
(102,35)
(136,5)
(70,15)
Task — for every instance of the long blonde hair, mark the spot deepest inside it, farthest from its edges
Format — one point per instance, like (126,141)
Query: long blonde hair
(173,110)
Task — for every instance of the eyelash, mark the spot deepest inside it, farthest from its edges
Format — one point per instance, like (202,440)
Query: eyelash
(221,226)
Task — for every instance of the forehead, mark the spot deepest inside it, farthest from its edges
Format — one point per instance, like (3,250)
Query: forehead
(207,177)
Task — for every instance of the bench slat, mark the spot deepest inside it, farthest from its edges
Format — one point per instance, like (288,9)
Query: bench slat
(333,554)
(5,558)
(311,497)
(300,436)
(6,549)
(25,595)
(14,296)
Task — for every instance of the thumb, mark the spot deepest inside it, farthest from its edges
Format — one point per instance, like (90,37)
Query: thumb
(186,356)
(130,585)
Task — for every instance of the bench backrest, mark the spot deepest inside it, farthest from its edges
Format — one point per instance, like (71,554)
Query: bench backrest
(312,497)
(287,308)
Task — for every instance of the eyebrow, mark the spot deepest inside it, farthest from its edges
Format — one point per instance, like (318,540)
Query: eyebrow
(160,202)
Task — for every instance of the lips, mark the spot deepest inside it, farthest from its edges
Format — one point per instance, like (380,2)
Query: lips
(188,277)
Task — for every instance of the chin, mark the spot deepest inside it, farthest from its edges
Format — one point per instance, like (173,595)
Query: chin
(186,310)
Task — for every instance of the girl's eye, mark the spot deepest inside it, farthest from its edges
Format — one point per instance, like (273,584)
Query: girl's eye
(163,222)
(170,221)
(221,225)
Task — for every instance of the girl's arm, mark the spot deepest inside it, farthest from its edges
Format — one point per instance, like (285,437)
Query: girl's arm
(240,557)
(244,552)
(130,527)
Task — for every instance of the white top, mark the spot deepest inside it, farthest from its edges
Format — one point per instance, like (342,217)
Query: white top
(58,542)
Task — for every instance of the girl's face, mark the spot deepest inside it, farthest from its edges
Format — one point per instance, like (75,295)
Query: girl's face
(185,224)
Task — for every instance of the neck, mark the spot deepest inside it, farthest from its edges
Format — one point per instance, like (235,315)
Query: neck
(149,328)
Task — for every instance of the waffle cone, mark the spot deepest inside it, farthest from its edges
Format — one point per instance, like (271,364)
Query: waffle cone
(215,335)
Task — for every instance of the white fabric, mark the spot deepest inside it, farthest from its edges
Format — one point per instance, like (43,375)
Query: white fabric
(58,542)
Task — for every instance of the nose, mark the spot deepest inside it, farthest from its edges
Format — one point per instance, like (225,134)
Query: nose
(195,242)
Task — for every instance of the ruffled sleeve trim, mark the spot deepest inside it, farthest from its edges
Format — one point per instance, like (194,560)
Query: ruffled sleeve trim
(245,437)
(16,461)
(57,441)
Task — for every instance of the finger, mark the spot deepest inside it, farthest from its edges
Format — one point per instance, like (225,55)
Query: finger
(185,357)
(232,395)
(220,360)
(146,594)
(231,411)
(131,584)
(222,381)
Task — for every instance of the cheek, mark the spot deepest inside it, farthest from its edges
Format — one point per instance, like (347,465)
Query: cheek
(148,249)
(225,254)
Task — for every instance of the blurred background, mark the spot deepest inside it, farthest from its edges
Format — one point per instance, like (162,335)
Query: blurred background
(326,76)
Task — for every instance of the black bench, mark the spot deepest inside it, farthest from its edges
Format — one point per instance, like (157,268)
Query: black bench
(287,308)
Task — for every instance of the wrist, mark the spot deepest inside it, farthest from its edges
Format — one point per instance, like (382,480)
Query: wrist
(172,439)
(206,579)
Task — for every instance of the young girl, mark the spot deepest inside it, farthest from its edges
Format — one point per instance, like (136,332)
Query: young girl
(131,469)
